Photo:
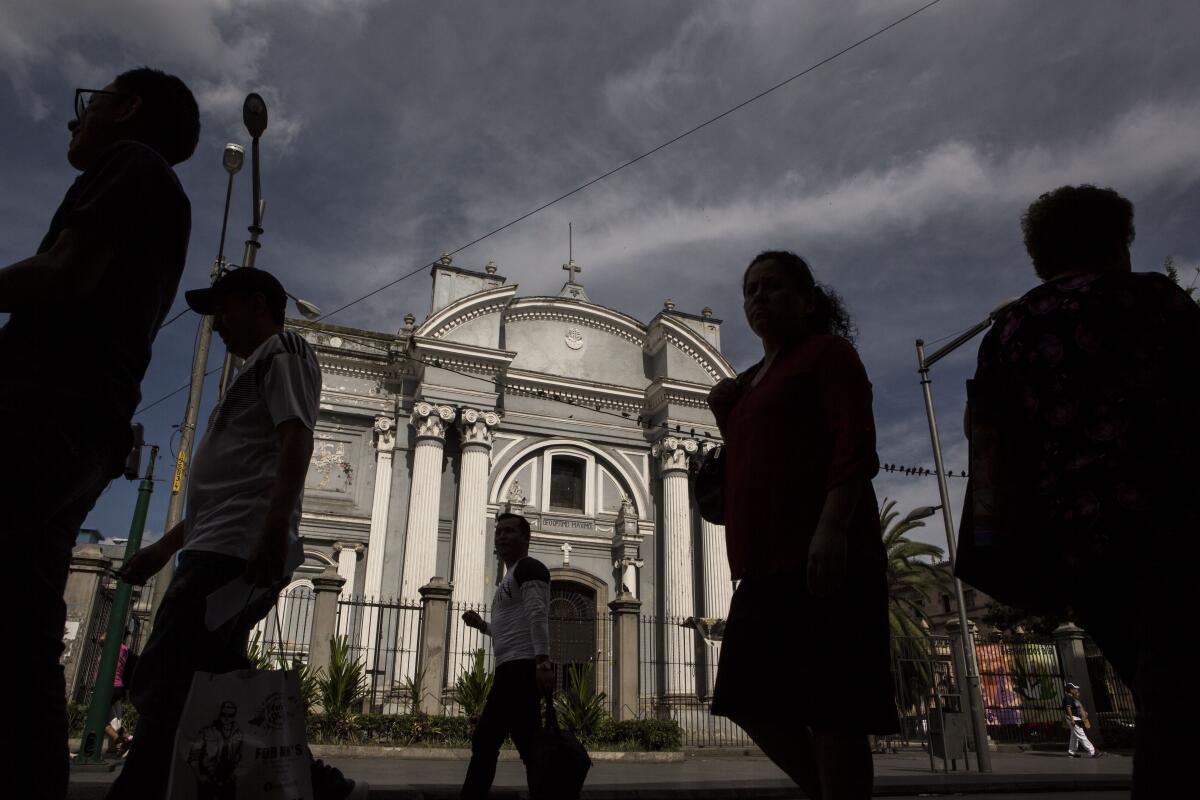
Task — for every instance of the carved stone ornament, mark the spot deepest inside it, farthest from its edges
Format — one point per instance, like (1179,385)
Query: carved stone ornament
(430,421)
(385,434)
(574,338)
(674,452)
(516,495)
(477,426)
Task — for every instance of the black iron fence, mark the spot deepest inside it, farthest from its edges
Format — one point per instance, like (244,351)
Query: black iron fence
(1115,712)
(1022,685)
(92,649)
(677,668)
(928,697)
(384,635)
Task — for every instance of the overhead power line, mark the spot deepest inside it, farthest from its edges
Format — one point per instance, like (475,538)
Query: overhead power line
(601,177)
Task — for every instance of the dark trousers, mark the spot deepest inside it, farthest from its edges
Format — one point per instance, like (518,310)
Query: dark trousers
(180,645)
(1133,612)
(52,475)
(512,709)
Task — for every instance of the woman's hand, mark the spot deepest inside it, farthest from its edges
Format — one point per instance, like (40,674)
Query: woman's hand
(472,620)
(826,561)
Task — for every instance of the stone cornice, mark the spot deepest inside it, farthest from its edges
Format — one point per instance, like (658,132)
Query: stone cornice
(665,330)
(536,384)
(587,314)
(465,309)
(458,356)
(664,392)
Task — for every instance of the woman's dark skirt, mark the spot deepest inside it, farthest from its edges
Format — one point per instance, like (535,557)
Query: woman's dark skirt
(820,662)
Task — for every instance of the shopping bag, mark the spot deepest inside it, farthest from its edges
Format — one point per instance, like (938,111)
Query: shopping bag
(242,736)
(559,764)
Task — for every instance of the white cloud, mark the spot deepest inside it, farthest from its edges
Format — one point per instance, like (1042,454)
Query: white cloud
(1143,148)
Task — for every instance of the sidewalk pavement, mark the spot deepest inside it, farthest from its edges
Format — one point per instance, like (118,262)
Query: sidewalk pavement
(698,775)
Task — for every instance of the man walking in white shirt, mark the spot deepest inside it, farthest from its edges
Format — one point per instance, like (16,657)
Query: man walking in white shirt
(243,515)
(1077,722)
(520,631)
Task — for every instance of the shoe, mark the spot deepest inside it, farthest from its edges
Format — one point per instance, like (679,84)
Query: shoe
(1072,755)
(1097,754)
(329,783)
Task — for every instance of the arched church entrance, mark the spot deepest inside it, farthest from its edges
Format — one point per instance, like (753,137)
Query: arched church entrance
(578,627)
(572,630)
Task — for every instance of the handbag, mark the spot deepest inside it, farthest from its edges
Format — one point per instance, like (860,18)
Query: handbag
(709,486)
(559,764)
(242,735)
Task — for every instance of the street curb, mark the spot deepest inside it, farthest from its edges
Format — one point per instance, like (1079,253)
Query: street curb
(463,754)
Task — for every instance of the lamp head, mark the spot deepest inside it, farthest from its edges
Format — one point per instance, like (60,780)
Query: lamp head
(307,309)
(233,157)
(254,114)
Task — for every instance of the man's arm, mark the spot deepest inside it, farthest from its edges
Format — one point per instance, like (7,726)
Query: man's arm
(70,269)
(146,562)
(295,450)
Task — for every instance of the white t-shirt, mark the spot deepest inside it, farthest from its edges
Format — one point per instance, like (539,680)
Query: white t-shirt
(233,468)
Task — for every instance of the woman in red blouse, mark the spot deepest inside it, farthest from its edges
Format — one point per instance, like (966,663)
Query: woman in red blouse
(804,663)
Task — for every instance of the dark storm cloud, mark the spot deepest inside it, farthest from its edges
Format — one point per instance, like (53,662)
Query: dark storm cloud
(399,132)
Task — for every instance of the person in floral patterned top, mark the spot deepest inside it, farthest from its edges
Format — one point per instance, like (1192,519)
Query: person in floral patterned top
(1094,373)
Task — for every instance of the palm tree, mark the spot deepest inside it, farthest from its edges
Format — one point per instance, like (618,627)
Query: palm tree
(912,575)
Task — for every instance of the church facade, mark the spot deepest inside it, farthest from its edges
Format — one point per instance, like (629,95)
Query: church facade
(580,418)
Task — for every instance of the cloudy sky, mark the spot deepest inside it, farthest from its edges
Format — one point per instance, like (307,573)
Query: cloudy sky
(402,130)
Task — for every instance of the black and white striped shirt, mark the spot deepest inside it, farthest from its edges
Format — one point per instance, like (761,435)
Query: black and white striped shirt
(520,626)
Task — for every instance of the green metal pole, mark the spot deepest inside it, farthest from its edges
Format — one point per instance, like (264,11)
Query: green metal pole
(92,749)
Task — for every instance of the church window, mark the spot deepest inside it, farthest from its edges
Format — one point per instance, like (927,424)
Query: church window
(567,484)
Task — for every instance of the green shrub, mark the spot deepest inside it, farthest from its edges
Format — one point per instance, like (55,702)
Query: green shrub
(424,730)
(581,709)
(412,691)
(471,689)
(343,684)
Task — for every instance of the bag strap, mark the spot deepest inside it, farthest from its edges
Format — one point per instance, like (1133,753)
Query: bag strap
(551,714)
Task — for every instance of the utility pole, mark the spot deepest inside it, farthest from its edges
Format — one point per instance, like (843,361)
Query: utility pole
(92,749)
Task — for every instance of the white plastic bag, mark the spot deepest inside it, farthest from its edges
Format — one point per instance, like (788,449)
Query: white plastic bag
(241,737)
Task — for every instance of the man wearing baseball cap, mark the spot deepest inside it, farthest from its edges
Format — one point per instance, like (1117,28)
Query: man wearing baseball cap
(243,514)
(1077,722)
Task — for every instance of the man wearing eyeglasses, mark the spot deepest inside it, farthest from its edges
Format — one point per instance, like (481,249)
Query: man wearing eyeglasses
(84,311)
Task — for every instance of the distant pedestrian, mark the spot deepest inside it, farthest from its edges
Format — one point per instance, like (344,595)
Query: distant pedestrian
(520,631)
(118,736)
(1077,722)
(802,534)
(1084,422)
(84,312)
(243,515)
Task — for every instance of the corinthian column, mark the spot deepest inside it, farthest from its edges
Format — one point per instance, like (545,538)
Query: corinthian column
(679,597)
(420,542)
(385,445)
(469,556)
(718,588)
(477,427)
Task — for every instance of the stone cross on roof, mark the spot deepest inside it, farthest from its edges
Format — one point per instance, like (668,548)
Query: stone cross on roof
(572,269)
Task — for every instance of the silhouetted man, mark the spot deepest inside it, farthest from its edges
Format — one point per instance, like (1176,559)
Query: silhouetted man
(84,312)
(1090,383)
(243,517)
(520,632)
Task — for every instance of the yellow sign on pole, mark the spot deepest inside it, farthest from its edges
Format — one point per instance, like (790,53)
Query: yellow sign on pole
(179,462)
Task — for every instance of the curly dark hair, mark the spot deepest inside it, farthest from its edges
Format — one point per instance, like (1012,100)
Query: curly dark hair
(829,314)
(169,117)
(1076,227)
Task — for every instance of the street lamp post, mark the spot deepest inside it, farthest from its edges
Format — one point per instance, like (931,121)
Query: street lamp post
(974,688)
